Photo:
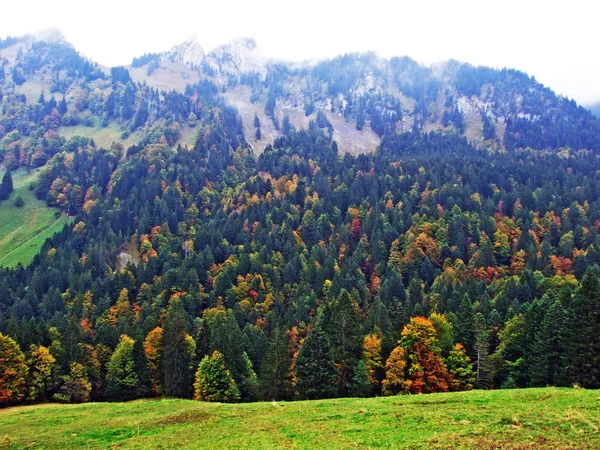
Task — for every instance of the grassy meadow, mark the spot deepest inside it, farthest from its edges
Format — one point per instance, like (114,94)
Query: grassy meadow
(547,418)
(23,230)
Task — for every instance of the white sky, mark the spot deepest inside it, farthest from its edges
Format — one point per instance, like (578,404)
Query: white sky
(557,42)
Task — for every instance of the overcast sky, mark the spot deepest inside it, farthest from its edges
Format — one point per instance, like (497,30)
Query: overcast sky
(557,42)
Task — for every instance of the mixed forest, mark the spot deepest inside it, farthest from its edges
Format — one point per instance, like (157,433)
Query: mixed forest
(304,272)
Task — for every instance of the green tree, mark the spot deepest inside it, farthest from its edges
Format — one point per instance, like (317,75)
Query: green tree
(214,382)
(548,351)
(316,374)
(178,352)
(13,371)
(7,186)
(122,377)
(41,372)
(342,324)
(275,379)
(584,342)
(76,387)
(460,368)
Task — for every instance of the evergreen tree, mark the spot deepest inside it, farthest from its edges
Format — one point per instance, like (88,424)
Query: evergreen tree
(482,362)
(342,323)
(122,376)
(464,327)
(548,350)
(316,374)
(214,382)
(178,352)
(584,345)
(275,379)
(7,186)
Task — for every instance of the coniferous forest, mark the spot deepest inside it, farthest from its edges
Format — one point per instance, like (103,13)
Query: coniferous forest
(303,272)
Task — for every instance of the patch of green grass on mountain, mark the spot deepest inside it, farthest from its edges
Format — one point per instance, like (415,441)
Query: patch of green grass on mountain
(102,136)
(23,230)
(546,418)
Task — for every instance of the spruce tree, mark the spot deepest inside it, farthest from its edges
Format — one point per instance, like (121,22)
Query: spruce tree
(464,327)
(342,324)
(481,349)
(584,345)
(316,374)
(7,186)
(546,365)
(178,352)
(275,380)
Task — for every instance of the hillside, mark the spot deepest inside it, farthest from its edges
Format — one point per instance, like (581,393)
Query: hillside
(357,227)
(533,418)
(23,230)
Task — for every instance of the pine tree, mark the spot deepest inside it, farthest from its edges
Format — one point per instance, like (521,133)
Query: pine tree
(178,352)
(482,363)
(547,358)
(214,382)
(13,372)
(342,324)
(122,377)
(584,345)
(360,386)
(316,374)
(464,327)
(275,379)
(7,186)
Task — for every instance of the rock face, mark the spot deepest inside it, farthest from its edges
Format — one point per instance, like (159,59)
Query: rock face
(50,35)
(236,58)
(189,53)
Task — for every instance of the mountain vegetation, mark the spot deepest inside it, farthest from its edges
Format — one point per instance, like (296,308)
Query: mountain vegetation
(440,262)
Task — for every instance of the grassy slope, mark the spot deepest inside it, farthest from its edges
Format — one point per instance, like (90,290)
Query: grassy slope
(103,137)
(24,230)
(534,418)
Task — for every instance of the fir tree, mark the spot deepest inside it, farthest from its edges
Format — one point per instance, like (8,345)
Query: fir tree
(275,379)
(584,345)
(316,374)
(178,352)
(342,323)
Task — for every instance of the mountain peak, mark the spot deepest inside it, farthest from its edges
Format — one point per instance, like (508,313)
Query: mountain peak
(50,35)
(189,52)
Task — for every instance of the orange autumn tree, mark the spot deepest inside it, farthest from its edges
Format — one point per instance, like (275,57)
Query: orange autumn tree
(153,349)
(13,371)
(425,370)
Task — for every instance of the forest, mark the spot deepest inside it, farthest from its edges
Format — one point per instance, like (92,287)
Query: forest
(304,272)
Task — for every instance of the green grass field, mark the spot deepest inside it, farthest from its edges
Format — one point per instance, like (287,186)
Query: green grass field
(24,230)
(547,418)
(103,137)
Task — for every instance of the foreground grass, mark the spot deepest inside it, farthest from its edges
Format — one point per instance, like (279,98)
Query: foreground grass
(24,230)
(546,418)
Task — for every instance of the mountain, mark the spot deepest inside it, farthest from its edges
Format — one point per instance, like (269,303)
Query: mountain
(363,96)
(241,229)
